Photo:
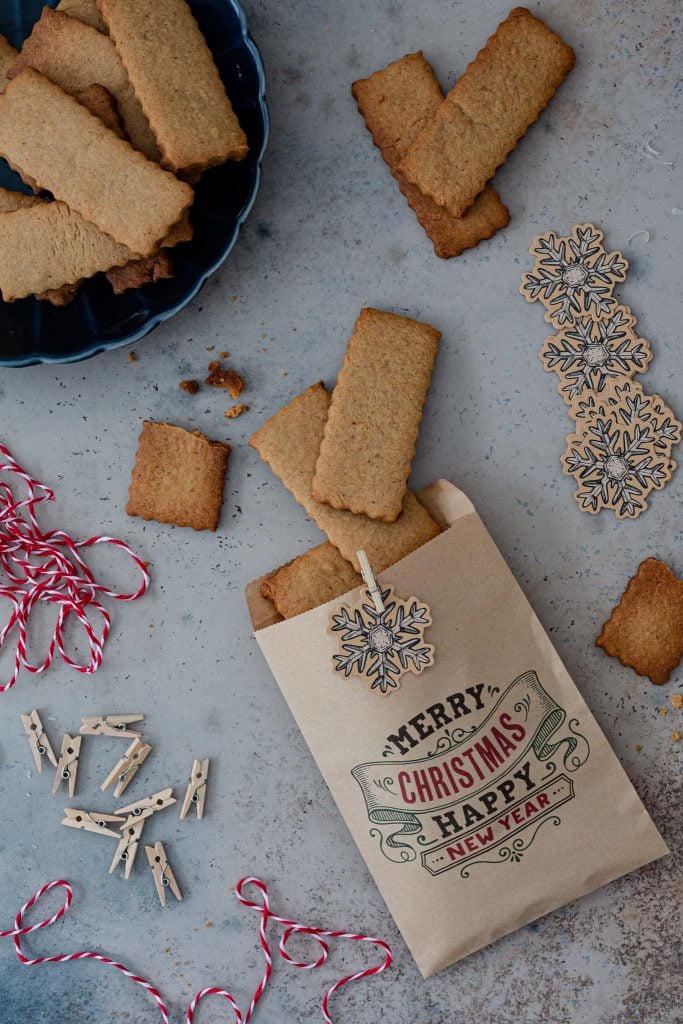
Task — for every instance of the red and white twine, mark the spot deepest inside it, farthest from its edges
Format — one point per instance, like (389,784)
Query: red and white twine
(47,567)
(263,908)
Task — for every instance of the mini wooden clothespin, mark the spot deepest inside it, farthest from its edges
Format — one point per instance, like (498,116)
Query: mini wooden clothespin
(196,790)
(149,804)
(40,744)
(67,768)
(163,876)
(127,849)
(110,725)
(93,821)
(131,830)
(371,583)
(124,771)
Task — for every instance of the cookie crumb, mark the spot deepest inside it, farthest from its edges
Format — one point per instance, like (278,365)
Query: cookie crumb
(639,747)
(224,355)
(209,924)
(132,358)
(228,379)
(663,712)
(677,700)
(191,386)
(214,366)
(677,736)
(234,411)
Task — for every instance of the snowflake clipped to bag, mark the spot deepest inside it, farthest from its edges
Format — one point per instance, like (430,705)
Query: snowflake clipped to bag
(382,636)
(573,276)
(382,646)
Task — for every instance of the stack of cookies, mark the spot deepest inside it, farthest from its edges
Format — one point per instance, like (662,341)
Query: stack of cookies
(114,108)
(346,458)
(443,152)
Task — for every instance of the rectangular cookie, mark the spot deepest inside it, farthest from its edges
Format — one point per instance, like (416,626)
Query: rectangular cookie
(11,201)
(75,56)
(102,104)
(141,272)
(58,145)
(487,111)
(83,10)
(149,269)
(310,580)
(290,443)
(174,76)
(178,477)
(8,55)
(44,246)
(374,417)
(396,103)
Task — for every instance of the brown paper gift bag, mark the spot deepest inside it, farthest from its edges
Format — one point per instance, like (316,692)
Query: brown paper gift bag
(482,793)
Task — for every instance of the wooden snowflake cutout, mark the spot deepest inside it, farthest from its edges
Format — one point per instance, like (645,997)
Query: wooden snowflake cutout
(573,276)
(631,403)
(621,452)
(590,354)
(381,646)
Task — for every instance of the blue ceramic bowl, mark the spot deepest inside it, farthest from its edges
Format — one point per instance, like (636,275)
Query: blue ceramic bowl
(36,332)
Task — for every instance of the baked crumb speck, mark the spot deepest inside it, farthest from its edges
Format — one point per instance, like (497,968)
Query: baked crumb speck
(677,700)
(132,358)
(234,411)
(228,379)
(191,386)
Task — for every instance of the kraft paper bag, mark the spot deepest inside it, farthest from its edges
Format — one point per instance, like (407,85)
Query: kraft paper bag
(481,793)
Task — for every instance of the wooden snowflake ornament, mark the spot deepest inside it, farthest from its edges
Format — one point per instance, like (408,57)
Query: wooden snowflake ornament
(591,354)
(621,452)
(381,637)
(573,276)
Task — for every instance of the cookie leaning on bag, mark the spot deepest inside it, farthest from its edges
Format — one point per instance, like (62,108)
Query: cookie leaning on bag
(360,464)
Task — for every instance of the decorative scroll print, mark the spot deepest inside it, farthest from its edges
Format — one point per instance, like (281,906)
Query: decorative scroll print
(476,791)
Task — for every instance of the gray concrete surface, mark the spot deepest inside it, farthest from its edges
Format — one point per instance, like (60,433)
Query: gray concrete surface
(330,233)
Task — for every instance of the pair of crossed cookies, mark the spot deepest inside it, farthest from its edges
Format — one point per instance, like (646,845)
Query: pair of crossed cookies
(621,447)
(346,458)
(114,107)
(444,151)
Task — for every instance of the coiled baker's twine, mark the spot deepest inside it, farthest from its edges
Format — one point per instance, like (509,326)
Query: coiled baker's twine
(263,909)
(47,567)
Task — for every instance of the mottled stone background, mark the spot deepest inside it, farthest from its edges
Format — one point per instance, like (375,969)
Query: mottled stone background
(330,233)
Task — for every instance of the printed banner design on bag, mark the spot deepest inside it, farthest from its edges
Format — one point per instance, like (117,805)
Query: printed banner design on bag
(482,793)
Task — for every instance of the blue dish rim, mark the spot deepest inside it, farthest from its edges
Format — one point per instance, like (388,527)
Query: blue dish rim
(36,359)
